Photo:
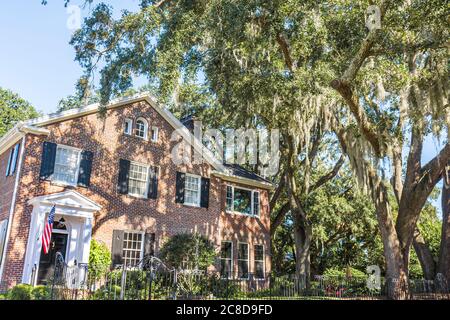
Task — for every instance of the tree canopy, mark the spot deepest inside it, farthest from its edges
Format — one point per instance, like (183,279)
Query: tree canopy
(13,109)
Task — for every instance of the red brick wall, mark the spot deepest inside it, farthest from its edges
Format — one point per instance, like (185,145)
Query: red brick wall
(105,138)
(6,184)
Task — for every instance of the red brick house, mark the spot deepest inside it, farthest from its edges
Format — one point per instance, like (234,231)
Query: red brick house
(112,179)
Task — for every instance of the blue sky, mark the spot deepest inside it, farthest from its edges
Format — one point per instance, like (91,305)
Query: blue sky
(37,62)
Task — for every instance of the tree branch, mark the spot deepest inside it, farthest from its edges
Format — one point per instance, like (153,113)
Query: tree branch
(330,175)
(279,218)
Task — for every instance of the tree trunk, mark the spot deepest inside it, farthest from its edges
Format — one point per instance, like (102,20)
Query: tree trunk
(444,254)
(302,239)
(425,257)
(396,272)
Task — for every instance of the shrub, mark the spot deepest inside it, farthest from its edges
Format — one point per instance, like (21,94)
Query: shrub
(21,292)
(188,251)
(41,293)
(99,260)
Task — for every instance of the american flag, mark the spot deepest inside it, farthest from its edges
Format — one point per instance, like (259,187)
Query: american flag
(47,235)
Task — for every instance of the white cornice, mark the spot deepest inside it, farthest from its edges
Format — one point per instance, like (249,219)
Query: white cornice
(249,182)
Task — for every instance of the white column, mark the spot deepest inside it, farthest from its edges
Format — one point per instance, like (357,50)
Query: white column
(34,243)
(86,240)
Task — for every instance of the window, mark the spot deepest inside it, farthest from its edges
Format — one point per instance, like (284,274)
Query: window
(3,227)
(141,128)
(226,259)
(12,161)
(259,261)
(256,203)
(128,126)
(192,190)
(229,203)
(138,179)
(133,246)
(155,133)
(243,201)
(242,260)
(67,163)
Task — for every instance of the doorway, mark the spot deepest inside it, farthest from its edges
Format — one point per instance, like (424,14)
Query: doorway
(58,243)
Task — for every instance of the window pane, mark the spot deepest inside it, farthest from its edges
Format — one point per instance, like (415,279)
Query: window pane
(226,250)
(243,260)
(229,203)
(137,182)
(242,200)
(192,190)
(140,128)
(256,203)
(259,261)
(66,165)
(225,259)
(132,249)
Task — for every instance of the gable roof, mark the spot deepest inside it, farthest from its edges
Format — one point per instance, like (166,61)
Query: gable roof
(35,126)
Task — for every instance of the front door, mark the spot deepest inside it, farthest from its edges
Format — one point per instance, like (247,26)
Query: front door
(58,243)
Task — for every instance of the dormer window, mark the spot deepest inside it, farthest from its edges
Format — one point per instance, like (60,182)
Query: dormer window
(128,129)
(141,128)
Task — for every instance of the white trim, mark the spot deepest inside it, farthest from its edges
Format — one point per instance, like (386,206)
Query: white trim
(232,262)
(199,190)
(146,184)
(232,211)
(130,127)
(263,261)
(248,260)
(77,173)
(156,129)
(249,182)
(78,212)
(143,120)
(142,233)
(12,207)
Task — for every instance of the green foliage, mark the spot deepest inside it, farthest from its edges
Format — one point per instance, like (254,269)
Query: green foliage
(188,251)
(21,292)
(13,109)
(41,293)
(99,260)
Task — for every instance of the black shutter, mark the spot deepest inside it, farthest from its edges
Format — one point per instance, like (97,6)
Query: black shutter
(84,177)
(179,196)
(153,183)
(48,160)
(124,169)
(204,195)
(117,247)
(8,168)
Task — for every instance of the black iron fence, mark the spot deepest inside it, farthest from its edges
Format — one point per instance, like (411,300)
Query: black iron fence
(141,284)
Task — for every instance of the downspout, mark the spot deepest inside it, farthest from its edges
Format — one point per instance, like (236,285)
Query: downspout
(13,205)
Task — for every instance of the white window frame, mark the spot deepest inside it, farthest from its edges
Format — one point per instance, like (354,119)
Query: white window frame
(232,211)
(77,173)
(145,137)
(263,260)
(130,126)
(142,246)
(230,276)
(156,137)
(248,261)
(146,184)
(197,204)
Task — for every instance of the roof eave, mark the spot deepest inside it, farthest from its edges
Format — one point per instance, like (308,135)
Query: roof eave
(246,181)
